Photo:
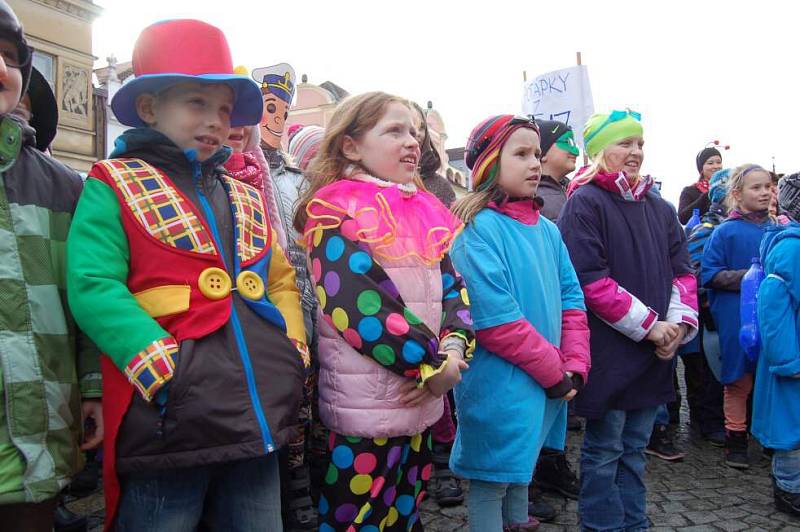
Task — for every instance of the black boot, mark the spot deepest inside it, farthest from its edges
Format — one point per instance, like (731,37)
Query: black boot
(300,514)
(444,487)
(661,445)
(714,437)
(85,482)
(538,507)
(553,473)
(785,501)
(68,521)
(736,450)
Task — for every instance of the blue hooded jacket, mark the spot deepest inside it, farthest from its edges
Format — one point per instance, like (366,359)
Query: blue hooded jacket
(776,400)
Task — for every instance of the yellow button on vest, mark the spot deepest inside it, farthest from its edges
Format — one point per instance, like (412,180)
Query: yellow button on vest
(250,285)
(214,283)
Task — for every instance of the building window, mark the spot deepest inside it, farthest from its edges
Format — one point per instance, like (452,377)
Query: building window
(46,64)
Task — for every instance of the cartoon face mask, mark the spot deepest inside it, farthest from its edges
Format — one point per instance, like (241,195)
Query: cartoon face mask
(277,89)
(566,142)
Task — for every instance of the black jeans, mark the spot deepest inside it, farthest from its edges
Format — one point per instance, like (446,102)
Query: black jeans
(703,393)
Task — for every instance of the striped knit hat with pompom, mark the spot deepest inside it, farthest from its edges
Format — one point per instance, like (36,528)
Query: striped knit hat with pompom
(482,152)
(304,144)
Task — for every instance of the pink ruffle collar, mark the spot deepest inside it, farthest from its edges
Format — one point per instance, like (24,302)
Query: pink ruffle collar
(397,222)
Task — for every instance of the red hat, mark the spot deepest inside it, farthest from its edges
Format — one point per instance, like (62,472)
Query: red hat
(185,50)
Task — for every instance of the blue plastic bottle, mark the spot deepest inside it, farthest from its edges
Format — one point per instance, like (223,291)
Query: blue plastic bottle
(749,336)
(693,221)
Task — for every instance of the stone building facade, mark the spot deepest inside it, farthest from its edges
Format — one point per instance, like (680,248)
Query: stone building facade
(60,32)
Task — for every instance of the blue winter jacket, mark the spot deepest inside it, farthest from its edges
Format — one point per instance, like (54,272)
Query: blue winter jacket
(776,400)
(732,246)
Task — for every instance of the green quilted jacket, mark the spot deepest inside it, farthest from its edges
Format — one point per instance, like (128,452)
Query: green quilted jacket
(46,365)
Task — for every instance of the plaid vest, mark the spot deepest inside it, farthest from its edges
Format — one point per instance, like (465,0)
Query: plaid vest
(165,228)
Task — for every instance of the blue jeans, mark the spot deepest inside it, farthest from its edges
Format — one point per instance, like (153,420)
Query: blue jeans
(236,496)
(613,493)
(494,504)
(662,415)
(786,470)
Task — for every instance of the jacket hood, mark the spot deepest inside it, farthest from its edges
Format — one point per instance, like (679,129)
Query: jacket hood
(781,264)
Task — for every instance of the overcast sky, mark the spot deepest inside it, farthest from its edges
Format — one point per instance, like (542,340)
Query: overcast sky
(697,71)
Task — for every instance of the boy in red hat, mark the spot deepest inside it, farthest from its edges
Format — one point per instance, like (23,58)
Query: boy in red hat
(175,272)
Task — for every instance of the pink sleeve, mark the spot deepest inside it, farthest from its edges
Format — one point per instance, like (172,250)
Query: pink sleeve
(619,308)
(575,343)
(683,304)
(519,343)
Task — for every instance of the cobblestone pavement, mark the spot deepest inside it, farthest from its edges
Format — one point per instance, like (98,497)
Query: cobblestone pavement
(697,494)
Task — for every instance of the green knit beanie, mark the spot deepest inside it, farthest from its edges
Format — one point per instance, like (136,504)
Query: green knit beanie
(602,130)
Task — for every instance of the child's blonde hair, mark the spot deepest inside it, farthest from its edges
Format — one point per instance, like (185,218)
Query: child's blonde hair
(467,207)
(736,182)
(353,118)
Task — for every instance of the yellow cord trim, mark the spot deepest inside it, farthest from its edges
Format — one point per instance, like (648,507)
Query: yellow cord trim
(380,242)
(426,371)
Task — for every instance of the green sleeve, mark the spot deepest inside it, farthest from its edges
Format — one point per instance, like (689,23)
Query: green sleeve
(97,272)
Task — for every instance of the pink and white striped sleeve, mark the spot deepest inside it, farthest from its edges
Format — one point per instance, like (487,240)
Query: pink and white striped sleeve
(619,308)
(683,305)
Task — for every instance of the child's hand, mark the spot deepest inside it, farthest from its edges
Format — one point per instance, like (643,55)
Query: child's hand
(573,392)
(663,332)
(92,418)
(667,351)
(413,395)
(443,382)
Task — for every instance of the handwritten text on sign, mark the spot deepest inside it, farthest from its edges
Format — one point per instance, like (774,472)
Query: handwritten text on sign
(564,95)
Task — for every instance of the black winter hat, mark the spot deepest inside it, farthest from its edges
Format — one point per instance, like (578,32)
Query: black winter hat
(44,110)
(11,29)
(704,155)
(549,133)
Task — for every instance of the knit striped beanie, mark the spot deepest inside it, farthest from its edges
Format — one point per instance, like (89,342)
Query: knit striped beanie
(484,145)
(304,145)
(789,196)
(718,185)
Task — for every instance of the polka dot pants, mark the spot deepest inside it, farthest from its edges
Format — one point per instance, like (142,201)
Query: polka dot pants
(375,484)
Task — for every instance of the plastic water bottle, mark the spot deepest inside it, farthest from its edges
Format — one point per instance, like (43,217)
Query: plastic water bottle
(694,220)
(749,336)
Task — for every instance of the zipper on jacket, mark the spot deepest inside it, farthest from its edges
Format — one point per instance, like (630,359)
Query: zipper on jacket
(241,343)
